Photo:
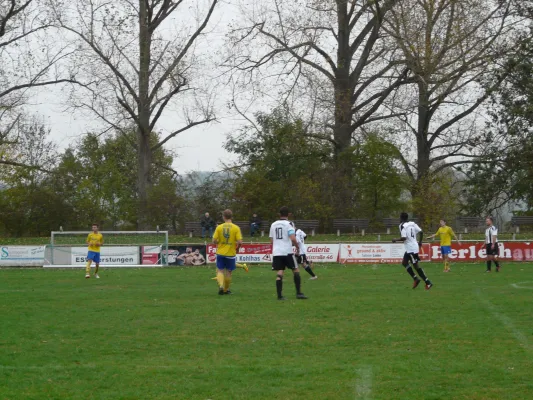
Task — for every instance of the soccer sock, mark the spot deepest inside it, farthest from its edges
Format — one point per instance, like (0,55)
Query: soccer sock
(239,265)
(88,267)
(297,282)
(220,278)
(410,271)
(309,270)
(227,282)
(497,264)
(420,273)
(96,268)
(488,265)
(279,285)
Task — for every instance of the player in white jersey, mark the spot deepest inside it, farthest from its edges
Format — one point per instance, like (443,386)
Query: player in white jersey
(283,238)
(409,231)
(491,244)
(302,257)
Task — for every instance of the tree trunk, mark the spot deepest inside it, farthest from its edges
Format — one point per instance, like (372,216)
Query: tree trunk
(144,182)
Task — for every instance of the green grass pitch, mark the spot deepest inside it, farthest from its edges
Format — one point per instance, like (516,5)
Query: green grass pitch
(363,334)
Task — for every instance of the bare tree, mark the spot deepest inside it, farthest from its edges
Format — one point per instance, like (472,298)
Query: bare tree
(139,66)
(334,46)
(451,48)
(28,60)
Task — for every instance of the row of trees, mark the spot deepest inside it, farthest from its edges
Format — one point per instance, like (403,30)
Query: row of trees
(371,107)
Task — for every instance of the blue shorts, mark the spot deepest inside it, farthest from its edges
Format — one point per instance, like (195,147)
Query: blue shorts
(93,255)
(228,263)
(445,250)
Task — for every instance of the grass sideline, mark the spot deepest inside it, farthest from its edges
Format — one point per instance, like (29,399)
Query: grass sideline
(364,333)
(322,238)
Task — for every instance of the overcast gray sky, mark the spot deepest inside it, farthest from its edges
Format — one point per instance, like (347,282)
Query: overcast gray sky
(200,148)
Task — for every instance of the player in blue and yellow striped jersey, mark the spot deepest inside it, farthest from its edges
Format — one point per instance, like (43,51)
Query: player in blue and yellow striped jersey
(94,239)
(228,238)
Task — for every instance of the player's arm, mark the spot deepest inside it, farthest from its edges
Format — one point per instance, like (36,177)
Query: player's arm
(239,240)
(215,235)
(494,239)
(455,236)
(88,241)
(433,236)
(420,238)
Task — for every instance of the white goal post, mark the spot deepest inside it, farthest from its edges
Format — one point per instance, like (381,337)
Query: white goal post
(120,249)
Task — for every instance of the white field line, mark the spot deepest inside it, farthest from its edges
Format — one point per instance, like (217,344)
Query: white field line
(506,321)
(363,383)
(523,285)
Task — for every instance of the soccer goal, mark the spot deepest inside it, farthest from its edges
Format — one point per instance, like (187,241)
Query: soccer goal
(120,249)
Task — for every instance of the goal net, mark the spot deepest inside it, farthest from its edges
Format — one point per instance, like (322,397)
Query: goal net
(120,249)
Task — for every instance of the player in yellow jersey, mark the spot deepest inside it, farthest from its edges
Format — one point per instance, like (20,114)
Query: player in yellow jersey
(228,238)
(445,232)
(94,239)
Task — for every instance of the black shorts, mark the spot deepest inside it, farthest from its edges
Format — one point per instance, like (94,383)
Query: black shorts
(412,258)
(492,251)
(301,259)
(279,263)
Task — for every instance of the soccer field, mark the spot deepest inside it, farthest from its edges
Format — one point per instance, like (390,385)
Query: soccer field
(363,334)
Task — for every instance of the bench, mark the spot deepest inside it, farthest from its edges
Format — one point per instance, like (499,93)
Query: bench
(245,226)
(306,225)
(469,222)
(391,223)
(192,227)
(521,220)
(350,225)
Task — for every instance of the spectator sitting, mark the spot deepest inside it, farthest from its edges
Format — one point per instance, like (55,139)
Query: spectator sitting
(208,225)
(255,224)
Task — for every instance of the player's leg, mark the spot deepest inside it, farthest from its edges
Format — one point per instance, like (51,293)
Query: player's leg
(495,255)
(278,265)
(406,262)
(415,259)
(90,256)
(97,265)
(307,267)
(230,267)
(292,264)
(488,250)
(220,274)
(243,266)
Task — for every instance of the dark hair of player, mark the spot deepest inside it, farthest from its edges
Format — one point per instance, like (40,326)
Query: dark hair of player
(404,217)
(490,217)
(284,211)
(227,214)
(95,224)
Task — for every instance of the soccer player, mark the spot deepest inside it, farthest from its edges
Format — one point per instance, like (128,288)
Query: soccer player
(228,238)
(283,238)
(491,244)
(409,230)
(302,257)
(94,239)
(445,233)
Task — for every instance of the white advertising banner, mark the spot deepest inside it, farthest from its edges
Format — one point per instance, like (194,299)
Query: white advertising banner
(116,256)
(375,253)
(22,255)
(322,253)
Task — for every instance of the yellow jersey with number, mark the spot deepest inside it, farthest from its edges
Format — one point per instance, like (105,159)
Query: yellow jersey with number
(95,240)
(226,236)
(445,233)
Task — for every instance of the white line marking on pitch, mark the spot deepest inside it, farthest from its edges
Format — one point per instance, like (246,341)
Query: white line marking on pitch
(508,322)
(519,285)
(363,384)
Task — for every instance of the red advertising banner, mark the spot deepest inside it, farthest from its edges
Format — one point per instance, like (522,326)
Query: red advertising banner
(248,253)
(475,251)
